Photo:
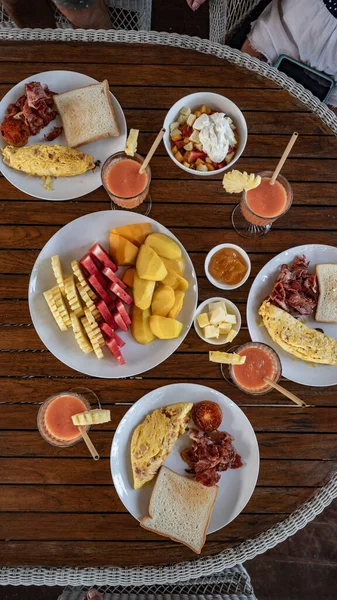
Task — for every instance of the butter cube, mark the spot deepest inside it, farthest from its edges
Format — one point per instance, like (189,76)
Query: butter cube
(229,319)
(214,305)
(191,119)
(230,337)
(194,137)
(185,110)
(224,328)
(211,332)
(217,315)
(174,126)
(203,320)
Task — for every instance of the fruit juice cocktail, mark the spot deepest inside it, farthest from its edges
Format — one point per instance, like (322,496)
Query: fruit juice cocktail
(124,184)
(54,418)
(261,361)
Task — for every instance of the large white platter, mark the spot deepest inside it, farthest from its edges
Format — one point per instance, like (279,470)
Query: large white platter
(64,188)
(293,368)
(72,242)
(235,486)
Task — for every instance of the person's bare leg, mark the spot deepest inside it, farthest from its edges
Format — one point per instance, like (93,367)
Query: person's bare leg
(248,49)
(38,14)
(94,16)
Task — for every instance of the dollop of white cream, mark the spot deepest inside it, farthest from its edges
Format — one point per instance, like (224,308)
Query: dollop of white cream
(216,135)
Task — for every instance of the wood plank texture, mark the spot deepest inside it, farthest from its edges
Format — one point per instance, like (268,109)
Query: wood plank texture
(55,499)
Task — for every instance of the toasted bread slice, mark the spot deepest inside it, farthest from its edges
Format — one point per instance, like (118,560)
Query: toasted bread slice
(87,114)
(180,509)
(326,311)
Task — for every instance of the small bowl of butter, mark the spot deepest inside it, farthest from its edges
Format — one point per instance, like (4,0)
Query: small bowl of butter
(217,321)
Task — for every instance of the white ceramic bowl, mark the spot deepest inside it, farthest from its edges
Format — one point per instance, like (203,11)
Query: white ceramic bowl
(226,286)
(231,309)
(215,102)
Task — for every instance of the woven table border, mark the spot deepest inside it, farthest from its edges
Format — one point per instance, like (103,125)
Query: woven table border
(137,576)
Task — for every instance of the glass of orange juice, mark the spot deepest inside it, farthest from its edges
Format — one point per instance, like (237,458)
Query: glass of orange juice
(260,207)
(54,418)
(127,188)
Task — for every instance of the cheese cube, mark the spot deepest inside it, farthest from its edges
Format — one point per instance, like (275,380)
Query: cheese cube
(211,332)
(217,315)
(182,119)
(224,328)
(195,137)
(188,147)
(174,125)
(185,110)
(230,319)
(231,335)
(191,119)
(213,305)
(203,320)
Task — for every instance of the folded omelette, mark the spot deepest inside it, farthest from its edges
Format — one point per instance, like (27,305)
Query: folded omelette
(153,440)
(297,338)
(48,160)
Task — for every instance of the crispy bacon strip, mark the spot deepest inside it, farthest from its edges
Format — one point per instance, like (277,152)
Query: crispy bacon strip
(295,288)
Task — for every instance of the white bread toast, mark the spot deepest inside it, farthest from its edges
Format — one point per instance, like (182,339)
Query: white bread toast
(326,311)
(87,114)
(180,509)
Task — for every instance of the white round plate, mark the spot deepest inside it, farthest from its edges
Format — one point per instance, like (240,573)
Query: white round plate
(293,368)
(72,242)
(235,486)
(64,188)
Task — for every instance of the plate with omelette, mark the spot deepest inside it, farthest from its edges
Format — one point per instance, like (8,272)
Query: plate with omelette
(57,129)
(154,432)
(292,306)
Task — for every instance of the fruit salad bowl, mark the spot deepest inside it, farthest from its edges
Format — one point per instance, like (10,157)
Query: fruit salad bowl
(180,133)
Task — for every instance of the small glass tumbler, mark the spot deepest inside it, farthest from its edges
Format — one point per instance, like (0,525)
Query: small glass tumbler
(141,202)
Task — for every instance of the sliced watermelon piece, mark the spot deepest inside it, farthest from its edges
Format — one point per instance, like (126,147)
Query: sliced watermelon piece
(114,349)
(122,294)
(106,314)
(194,155)
(90,267)
(102,256)
(186,130)
(123,313)
(120,321)
(111,334)
(96,284)
(111,275)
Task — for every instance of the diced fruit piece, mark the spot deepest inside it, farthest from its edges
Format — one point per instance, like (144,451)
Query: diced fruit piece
(92,417)
(175,281)
(80,335)
(186,164)
(195,137)
(179,157)
(122,250)
(122,294)
(89,316)
(131,142)
(57,307)
(111,333)
(227,358)
(103,257)
(174,149)
(111,275)
(163,300)
(58,271)
(178,264)
(95,329)
(106,314)
(182,119)
(188,147)
(211,331)
(178,304)
(229,157)
(203,320)
(197,113)
(88,300)
(190,120)
(120,321)
(114,349)
(199,147)
(135,233)
(199,161)
(219,165)
(176,133)
(164,328)
(174,126)
(163,245)
(122,311)
(202,168)
(142,292)
(194,155)
(210,167)
(89,266)
(186,131)
(180,144)
(140,327)
(149,265)
(76,267)
(128,277)
(99,289)
(185,110)
(205,109)
(95,336)
(72,295)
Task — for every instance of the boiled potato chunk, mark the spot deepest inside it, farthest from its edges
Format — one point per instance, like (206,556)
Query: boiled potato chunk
(136,234)
(178,264)
(163,300)
(140,328)
(165,329)
(163,245)
(122,251)
(142,292)
(175,281)
(178,304)
(149,265)
(128,276)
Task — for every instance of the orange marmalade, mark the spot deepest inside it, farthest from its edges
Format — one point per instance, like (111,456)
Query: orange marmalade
(228,266)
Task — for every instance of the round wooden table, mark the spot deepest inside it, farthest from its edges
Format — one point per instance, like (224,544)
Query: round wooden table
(58,507)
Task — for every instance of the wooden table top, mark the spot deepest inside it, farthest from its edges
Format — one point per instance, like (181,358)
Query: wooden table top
(58,506)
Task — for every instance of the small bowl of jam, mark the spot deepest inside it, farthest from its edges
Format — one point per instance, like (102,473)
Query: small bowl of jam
(227,266)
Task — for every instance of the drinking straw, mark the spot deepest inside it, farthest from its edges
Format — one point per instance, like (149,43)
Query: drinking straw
(284,157)
(152,150)
(88,442)
(285,392)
